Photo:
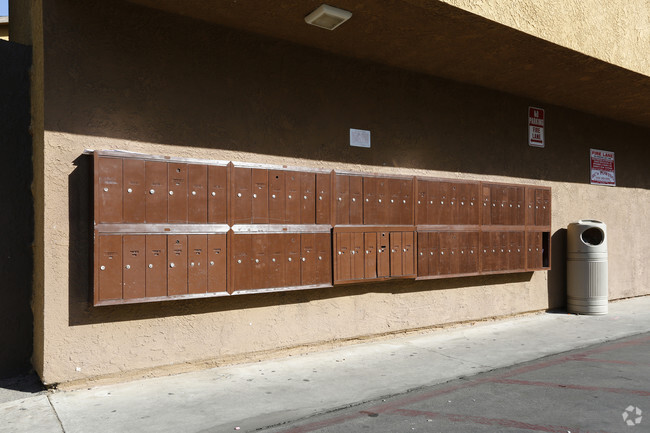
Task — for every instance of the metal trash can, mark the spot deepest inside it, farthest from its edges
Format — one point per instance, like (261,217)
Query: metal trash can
(587,267)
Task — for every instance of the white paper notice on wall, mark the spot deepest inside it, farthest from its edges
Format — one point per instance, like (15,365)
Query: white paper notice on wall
(359,138)
(603,170)
(535,127)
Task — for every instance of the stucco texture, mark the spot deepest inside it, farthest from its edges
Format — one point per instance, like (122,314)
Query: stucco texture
(118,76)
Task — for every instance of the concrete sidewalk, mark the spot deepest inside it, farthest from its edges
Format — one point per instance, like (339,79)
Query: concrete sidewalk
(267,393)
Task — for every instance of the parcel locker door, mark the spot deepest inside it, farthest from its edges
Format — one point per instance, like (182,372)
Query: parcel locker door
(370,209)
(421,203)
(277,197)
(434,253)
(133,186)
(197,199)
(260,196)
(133,262)
(240,254)
(530,206)
(155,202)
(307,198)
(343,258)
(275,263)
(293,203)
(177,203)
(342,198)
(486,205)
(110,267)
(259,261)
(217,262)
(323,243)
(292,259)
(357,253)
(356,200)
(396,262)
(423,254)
(408,253)
(546,207)
(435,203)
(394,199)
(241,201)
(156,259)
(370,254)
(217,194)
(177,265)
(383,254)
(197,270)
(109,178)
(323,198)
(308,259)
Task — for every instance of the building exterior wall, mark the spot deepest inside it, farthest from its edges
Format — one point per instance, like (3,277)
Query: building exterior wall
(117,76)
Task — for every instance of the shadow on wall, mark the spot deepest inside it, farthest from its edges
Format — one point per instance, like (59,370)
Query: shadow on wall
(17,215)
(148,76)
(81,311)
(557,275)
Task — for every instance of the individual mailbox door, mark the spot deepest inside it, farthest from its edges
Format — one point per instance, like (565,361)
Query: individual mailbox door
(177,203)
(177,265)
(383,195)
(292,259)
(357,253)
(423,254)
(342,198)
(259,268)
(356,200)
(197,202)
(434,253)
(452,203)
(394,199)
(241,262)
(502,250)
(217,262)
(110,267)
(406,202)
(217,194)
(435,203)
(539,207)
(474,204)
(293,204)
(486,205)
(324,258)
(469,242)
(515,251)
(370,245)
(156,259)
(323,198)
(446,242)
(156,194)
(421,204)
(241,200)
(512,205)
(109,178)
(534,250)
(308,259)
(487,252)
(396,268)
(383,254)
(307,198)
(275,263)
(260,196)
(370,200)
(520,212)
(546,207)
(464,195)
(197,270)
(133,186)
(133,262)
(530,206)
(343,257)
(277,197)
(408,253)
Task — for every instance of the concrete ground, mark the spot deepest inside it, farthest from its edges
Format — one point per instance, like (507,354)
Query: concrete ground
(284,394)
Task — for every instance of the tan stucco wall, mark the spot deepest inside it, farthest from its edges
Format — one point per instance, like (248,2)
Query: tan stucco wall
(617,32)
(209,92)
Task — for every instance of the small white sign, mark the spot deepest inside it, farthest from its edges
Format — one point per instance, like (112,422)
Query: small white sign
(603,170)
(359,138)
(535,127)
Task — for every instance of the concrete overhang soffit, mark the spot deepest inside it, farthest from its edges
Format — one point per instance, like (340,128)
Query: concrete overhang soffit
(434,38)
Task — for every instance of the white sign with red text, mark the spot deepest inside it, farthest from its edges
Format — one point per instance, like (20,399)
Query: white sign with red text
(603,170)
(535,127)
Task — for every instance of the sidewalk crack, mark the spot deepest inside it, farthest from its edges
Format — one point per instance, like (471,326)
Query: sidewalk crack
(56,414)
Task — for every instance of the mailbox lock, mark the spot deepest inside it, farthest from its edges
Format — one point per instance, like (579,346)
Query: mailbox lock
(171,192)
(303,259)
(239,194)
(257,260)
(421,253)
(129,190)
(392,250)
(273,196)
(289,197)
(508,250)
(366,200)
(239,261)
(211,263)
(471,251)
(494,204)
(511,205)
(171,265)
(518,205)
(289,259)
(404,250)
(340,253)
(452,203)
(127,267)
(354,199)
(367,252)
(214,193)
(340,198)
(462,251)
(442,202)
(105,189)
(273,260)
(151,191)
(320,258)
(379,200)
(193,192)
(431,253)
(254,195)
(404,201)
(462,203)
(484,204)
(320,197)
(419,202)
(431,202)
(392,201)
(150,266)
(471,203)
(304,197)
(191,263)
(102,267)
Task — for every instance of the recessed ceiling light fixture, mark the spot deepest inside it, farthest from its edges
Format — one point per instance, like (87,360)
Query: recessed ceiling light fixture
(328,17)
